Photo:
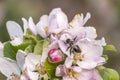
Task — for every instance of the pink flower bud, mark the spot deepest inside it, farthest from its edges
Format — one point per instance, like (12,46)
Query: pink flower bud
(55,55)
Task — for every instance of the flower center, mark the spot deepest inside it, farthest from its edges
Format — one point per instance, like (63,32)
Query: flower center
(14,76)
(72,73)
(46,29)
(78,56)
(40,69)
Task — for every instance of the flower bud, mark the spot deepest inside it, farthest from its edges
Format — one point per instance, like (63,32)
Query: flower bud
(55,55)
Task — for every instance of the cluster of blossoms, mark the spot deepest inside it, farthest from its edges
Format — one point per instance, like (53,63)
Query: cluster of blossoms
(52,49)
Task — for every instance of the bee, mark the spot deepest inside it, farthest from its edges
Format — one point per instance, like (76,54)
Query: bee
(72,46)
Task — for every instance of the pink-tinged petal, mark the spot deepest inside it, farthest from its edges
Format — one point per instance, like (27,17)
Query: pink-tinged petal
(31,60)
(78,32)
(32,26)
(53,38)
(100,42)
(1,49)
(29,75)
(88,16)
(44,54)
(20,57)
(64,47)
(57,21)
(90,32)
(66,36)
(25,25)
(87,64)
(7,67)
(66,77)
(42,26)
(14,30)
(60,70)
(76,22)
(96,75)
(90,50)
(79,20)
(68,62)
(77,69)
(85,75)
(100,61)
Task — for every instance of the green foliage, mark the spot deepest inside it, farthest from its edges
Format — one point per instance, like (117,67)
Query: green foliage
(109,48)
(108,74)
(105,56)
(10,51)
(51,68)
(41,45)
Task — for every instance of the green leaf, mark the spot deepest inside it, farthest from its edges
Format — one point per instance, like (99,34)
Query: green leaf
(51,68)
(108,74)
(106,57)
(9,51)
(29,49)
(41,45)
(109,48)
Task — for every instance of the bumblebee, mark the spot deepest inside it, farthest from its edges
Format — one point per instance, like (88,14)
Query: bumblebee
(72,46)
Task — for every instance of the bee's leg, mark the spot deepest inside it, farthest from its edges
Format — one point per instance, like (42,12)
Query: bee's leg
(75,38)
(67,48)
(70,51)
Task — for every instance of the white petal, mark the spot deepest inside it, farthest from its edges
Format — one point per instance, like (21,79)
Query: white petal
(96,75)
(100,42)
(57,21)
(20,57)
(44,54)
(14,30)
(32,60)
(88,16)
(60,70)
(68,62)
(32,26)
(77,21)
(7,67)
(77,69)
(64,48)
(1,49)
(16,41)
(42,25)
(90,32)
(90,50)
(88,64)
(29,75)
(25,25)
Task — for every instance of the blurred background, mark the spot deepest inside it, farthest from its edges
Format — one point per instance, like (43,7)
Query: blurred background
(105,18)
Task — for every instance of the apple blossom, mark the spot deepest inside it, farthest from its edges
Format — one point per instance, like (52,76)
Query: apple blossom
(29,25)
(90,53)
(12,69)
(76,73)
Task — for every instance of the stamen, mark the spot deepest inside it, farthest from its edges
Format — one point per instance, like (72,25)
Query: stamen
(78,56)
(72,73)
(46,29)
(14,76)
(40,69)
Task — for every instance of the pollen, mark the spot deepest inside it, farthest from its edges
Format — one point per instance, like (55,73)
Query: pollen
(78,56)
(14,76)
(40,69)
(72,73)
(46,29)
